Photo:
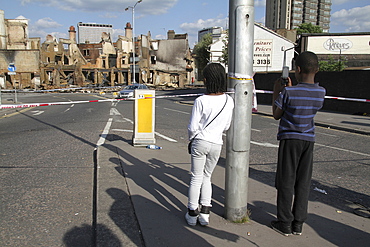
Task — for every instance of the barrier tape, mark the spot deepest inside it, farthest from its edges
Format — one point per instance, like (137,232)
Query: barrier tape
(326,97)
(59,89)
(6,106)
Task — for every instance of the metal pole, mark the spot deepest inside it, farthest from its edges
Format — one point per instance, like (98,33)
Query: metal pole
(133,39)
(133,44)
(241,37)
(15,93)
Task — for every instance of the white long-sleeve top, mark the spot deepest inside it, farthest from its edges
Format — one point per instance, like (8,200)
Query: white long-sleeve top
(205,108)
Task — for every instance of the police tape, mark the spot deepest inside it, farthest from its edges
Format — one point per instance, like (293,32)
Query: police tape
(9,106)
(326,97)
(56,90)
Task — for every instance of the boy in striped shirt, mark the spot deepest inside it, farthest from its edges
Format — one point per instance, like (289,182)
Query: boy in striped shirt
(296,107)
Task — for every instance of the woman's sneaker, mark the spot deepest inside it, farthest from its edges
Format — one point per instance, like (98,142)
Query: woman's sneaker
(204,215)
(192,216)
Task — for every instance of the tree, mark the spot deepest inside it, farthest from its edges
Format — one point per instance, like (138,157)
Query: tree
(201,51)
(332,65)
(308,28)
(225,50)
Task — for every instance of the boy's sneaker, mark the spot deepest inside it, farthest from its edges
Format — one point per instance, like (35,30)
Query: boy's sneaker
(204,215)
(297,228)
(281,228)
(192,216)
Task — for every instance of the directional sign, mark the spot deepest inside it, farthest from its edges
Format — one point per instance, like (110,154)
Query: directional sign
(11,67)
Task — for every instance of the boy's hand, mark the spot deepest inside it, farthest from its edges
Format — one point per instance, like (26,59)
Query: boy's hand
(280,84)
(278,87)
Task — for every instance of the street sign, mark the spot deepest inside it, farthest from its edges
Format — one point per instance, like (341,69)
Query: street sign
(11,67)
(11,73)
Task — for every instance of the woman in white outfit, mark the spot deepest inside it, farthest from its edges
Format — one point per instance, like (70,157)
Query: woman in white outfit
(211,116)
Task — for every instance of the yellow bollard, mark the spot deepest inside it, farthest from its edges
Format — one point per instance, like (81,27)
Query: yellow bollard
(144,117)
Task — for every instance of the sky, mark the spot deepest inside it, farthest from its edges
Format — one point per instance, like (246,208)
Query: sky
(158,16)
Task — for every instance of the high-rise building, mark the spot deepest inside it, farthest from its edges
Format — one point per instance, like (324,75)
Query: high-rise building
(214,31)
(92,32)
(289,14)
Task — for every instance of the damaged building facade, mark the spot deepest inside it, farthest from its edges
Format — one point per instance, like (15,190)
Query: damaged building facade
(88,61)
(65,62)
(19,51)
(157,62)
(166,62)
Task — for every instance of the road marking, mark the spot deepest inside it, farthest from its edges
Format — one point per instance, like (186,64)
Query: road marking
(121,130)
(103,136)
(128,120)
(15,113)
(158,134)
(165,137)
(342,149)
(265,144)
(69,108)
(36,113)
(326,134)
(114,112)
(176,111)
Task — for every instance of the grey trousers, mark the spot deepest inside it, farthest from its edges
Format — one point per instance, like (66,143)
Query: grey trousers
(204,158)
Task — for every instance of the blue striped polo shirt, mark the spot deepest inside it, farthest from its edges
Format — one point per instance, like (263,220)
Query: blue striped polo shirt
(300,104)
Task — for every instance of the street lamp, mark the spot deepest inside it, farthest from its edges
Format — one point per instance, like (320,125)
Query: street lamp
(133,38)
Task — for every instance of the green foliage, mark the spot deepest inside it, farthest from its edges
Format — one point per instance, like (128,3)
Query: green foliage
(308,28)
(225,50)
(201,51)
(332,65)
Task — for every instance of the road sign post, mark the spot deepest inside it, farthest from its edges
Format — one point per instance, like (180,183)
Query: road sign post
(11,71)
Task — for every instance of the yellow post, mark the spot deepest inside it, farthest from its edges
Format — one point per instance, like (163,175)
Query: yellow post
(144,115)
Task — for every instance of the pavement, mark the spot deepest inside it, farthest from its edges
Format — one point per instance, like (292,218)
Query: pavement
(142,197)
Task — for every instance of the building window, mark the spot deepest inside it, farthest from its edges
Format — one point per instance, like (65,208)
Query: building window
(153,59)
(86,52)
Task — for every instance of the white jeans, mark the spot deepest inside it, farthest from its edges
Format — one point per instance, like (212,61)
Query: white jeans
(204,157)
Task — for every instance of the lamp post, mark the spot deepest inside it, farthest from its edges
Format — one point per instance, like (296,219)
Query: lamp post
(133,38)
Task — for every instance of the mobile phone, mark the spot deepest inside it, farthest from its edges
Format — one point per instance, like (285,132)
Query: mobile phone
(285,75)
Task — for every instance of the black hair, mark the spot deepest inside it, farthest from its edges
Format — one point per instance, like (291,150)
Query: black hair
(308,62)
(215,76)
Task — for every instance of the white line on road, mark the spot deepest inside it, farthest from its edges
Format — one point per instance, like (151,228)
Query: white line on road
(256,130)
(121,130)
(36,113)
(158,134)
(103,136)
(176,111)
(128,120)
(69,108)
(319,133)
(165,137)
(114,112)
(342,149)
(265,144)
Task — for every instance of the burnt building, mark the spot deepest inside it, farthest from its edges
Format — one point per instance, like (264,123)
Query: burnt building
(166,62)
(19,51)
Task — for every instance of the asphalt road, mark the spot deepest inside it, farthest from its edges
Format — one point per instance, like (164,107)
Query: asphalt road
(47,163)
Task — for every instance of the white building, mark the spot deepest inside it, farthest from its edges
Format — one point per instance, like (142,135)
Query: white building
(92,32)
(268,50)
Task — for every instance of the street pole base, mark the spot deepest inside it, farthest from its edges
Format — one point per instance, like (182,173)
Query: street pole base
(237,215)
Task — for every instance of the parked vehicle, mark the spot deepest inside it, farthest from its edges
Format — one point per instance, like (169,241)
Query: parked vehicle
(128,91)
